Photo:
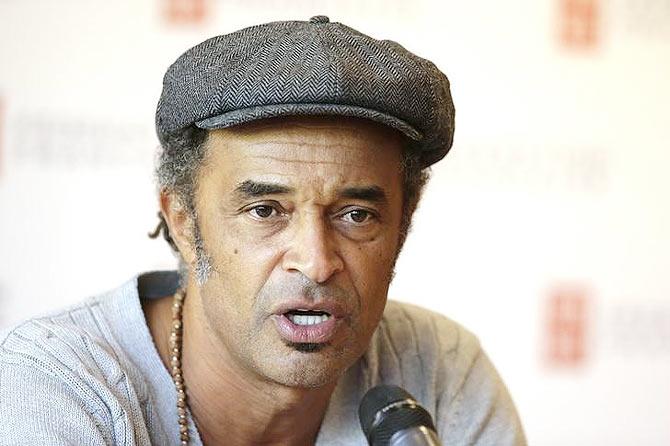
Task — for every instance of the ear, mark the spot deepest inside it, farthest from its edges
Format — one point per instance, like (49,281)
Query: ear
(180,224)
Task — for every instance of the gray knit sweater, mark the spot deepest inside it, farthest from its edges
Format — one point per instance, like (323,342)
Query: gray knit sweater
(91,375)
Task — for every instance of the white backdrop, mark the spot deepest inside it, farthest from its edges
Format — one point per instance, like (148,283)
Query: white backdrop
(545,230)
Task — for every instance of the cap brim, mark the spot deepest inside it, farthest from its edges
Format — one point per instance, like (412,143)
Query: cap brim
(244,115)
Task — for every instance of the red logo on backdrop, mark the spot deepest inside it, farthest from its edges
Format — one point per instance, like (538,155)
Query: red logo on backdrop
(579,23)
(185,12)
(567,325)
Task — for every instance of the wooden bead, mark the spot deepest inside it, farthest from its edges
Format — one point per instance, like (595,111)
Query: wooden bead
(175,343)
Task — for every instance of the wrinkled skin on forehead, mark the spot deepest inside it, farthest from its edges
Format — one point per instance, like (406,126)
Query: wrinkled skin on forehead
(296,210)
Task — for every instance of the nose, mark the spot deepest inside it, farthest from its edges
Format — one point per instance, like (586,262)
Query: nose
(312,250)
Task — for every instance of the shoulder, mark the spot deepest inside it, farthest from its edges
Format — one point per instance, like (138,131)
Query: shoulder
(64,365)
(443,365)
(81,337)
(421,350)
(68,339)
(72,346)
(424,335)
(404,320)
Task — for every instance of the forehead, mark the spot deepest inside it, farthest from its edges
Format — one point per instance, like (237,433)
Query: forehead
(324,149)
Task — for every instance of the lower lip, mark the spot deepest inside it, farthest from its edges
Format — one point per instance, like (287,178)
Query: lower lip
(307,334)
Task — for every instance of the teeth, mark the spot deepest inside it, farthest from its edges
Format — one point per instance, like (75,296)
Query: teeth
(307,319)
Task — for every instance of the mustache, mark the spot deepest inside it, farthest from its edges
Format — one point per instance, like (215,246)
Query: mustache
(300,286)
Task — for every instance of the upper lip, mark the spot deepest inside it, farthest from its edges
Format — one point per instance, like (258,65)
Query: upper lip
(333,308)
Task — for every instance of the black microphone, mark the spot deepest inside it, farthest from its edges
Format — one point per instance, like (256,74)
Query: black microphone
(390,416)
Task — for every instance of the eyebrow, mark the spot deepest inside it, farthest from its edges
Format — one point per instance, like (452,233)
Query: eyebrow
(373,194)
(254,189)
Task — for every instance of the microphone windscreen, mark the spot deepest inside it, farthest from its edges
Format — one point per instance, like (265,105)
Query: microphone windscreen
(376,399)
(385,410)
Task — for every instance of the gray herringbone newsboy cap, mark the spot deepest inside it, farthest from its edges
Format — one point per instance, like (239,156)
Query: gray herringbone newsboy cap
(308,68)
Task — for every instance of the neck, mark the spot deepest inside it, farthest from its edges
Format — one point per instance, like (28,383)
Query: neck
(233,406)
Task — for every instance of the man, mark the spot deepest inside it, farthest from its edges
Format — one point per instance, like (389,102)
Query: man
(293,156)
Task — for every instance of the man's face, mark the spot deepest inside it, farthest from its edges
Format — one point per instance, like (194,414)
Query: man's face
(300,220)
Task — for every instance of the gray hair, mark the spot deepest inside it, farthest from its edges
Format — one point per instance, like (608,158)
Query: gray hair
(182,156)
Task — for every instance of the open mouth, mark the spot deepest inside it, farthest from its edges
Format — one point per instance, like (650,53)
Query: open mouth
(301,325)
(307,317)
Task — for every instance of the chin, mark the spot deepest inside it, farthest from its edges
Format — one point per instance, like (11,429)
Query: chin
(307,379)
(310,366)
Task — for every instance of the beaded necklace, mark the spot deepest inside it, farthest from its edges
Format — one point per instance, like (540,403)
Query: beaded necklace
(176,336)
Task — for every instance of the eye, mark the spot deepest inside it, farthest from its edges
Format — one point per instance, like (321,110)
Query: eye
(358,216)
(262,212)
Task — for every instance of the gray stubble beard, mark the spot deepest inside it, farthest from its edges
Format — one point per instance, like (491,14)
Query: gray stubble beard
(203,261)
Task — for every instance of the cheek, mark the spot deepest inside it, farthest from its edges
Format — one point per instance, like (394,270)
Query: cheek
(240,268)
(234,250)
(371,268)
